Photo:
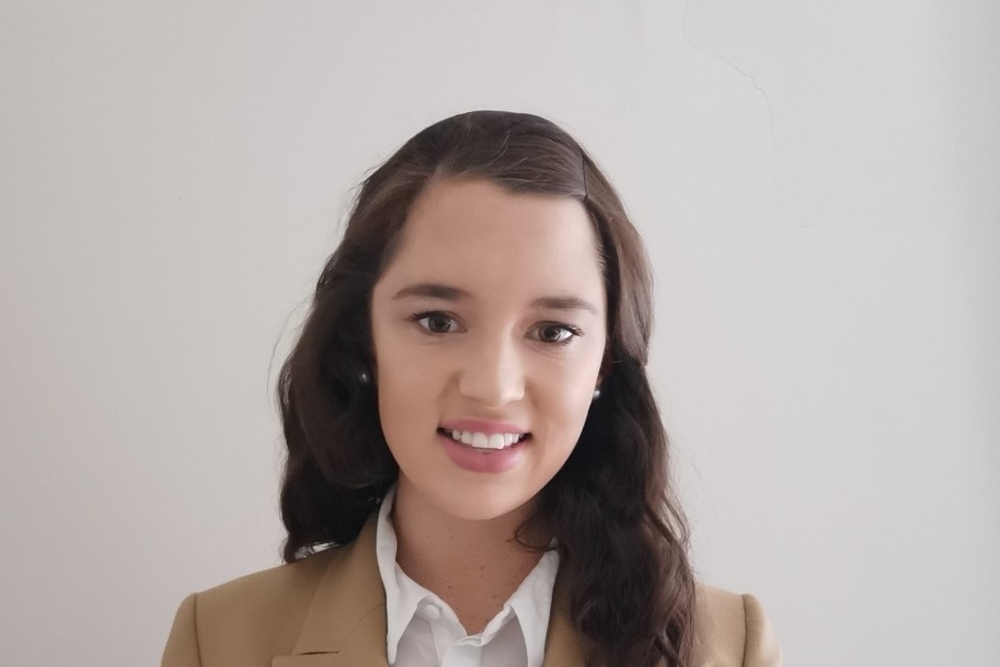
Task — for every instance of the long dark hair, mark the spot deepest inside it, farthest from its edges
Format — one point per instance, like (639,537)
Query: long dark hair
(621,535)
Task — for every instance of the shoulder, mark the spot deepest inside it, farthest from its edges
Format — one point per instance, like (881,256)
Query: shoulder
(732,629)
(317,601)
(281,585)
(260,614)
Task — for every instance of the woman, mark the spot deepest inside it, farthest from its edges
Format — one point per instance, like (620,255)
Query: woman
(477,471)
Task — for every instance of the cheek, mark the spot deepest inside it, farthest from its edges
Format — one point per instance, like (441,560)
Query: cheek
(408,386)
(402,417)
(394,402)
(563,402)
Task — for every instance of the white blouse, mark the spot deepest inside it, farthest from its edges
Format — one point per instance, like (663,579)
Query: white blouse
(423,631)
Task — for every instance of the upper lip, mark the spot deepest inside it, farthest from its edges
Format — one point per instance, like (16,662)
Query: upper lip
(481,426)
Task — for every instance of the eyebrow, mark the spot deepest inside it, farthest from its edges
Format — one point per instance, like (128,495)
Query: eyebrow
(449,293)
(564,303)
(433,291)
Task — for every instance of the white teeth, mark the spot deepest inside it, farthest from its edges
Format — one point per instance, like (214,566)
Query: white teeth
(484,441)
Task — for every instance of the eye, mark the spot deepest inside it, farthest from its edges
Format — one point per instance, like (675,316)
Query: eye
(556,334)
(435,322)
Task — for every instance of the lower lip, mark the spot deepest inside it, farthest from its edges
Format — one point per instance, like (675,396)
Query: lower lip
(482,460)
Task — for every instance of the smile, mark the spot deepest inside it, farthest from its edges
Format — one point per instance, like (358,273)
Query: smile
(479,440)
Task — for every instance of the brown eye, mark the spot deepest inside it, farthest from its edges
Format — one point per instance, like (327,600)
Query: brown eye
(557,334)
(436,323)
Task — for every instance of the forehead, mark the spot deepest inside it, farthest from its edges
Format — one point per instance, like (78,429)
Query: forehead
(476,235)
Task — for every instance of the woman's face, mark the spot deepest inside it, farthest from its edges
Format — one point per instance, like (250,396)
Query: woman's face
(489,330)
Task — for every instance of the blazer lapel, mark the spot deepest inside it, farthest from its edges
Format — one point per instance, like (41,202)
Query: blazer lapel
(564,645)
(345,625)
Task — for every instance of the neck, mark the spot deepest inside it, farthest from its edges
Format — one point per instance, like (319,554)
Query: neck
(473,565)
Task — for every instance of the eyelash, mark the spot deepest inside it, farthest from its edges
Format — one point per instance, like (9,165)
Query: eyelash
(417,317)
(574,332)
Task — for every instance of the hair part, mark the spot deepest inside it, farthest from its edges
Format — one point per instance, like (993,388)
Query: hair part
(621,535)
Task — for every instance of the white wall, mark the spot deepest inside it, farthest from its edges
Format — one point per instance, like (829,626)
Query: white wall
(817,182)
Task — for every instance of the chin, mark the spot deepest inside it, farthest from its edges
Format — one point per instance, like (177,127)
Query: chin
(486,506)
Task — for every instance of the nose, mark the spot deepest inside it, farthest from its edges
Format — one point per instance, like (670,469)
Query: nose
(492,373)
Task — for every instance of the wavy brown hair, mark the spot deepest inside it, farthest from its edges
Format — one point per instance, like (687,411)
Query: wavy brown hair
(621,535)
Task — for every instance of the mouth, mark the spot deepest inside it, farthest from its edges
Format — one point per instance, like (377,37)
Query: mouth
(485,441)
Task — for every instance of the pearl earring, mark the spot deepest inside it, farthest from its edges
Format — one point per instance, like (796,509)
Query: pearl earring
(597,394)
(363,377)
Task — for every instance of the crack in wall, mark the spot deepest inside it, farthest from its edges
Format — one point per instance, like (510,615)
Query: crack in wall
(752,80)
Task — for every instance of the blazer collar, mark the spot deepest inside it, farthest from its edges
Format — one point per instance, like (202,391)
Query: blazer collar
(345,625)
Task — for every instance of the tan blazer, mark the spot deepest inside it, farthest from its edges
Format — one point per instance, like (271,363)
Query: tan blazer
(328,610)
